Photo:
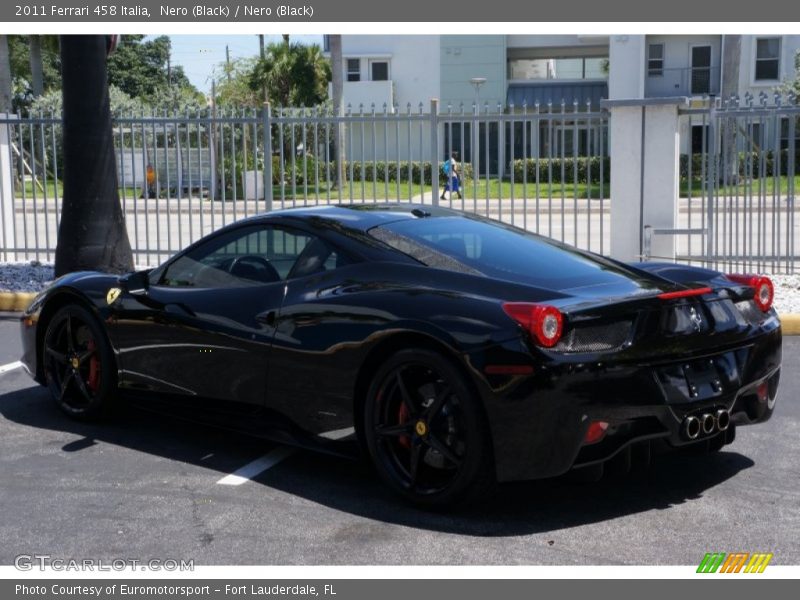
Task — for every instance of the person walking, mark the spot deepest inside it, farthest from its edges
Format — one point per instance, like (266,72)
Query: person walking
(451,171)
(150,174)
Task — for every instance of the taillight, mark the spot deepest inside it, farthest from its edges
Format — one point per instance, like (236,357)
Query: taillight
(764,290)
(545,323)
(596,432)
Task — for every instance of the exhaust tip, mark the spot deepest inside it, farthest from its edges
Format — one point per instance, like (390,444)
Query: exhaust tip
(723,420)
(691,427)
(708,422)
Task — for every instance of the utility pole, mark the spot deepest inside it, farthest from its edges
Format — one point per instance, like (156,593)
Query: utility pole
(169,71)
(228,62)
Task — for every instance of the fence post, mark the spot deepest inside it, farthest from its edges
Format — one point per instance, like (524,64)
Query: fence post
(7,189)
(711,184)
(268,156)
(645,175)
(434,151)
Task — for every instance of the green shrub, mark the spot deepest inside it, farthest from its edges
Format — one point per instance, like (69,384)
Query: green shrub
(588,168)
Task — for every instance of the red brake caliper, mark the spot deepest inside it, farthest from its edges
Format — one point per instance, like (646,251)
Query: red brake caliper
(94,368)
(403,416)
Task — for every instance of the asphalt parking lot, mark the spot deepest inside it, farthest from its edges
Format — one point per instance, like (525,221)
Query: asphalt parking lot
(143,486)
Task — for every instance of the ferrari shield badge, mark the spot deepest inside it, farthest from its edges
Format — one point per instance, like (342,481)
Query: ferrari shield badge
(112,295)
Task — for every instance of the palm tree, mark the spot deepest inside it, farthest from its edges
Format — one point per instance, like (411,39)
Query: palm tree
(5,76)
(731,59)
(37,68)
(92,234)
(37,44)
(337,68)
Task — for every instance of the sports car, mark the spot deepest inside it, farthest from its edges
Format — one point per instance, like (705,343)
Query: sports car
(453,350)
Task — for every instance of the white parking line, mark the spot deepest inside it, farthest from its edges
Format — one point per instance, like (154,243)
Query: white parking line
(10,367)
(258,466)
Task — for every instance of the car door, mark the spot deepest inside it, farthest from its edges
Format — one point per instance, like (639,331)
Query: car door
(316,336)
(205,324)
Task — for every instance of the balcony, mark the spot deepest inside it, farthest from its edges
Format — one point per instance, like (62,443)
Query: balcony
(367,93)
(687,81)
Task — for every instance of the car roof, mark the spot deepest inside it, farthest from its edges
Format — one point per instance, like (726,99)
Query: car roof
(358,216)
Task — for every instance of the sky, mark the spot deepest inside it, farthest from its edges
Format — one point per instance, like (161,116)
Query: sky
(200,54)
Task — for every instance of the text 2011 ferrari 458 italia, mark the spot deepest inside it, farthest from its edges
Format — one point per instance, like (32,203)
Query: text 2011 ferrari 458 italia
(458,351)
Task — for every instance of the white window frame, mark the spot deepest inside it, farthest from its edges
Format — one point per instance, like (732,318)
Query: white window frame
(766,82)
(659,72)
(348,72)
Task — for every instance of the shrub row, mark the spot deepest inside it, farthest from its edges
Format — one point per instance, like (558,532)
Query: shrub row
(749,164)
(357,171)
(588,168)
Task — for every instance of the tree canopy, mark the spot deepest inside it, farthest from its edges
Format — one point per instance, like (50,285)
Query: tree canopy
(19,58)
(291,73)
(141,68)
(793,85)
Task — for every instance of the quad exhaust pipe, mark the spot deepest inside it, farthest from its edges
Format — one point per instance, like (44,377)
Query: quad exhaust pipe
(707,423)
(723,420)
(691,427)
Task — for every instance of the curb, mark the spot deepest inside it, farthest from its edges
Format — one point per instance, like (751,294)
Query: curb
(19,301)
(15,301)
(790,324)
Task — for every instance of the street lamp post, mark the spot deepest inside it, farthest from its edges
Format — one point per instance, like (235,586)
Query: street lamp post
(476,83)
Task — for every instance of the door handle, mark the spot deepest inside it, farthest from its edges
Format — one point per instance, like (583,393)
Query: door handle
(266,318)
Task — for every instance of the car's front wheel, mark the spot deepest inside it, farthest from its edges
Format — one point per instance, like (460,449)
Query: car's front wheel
(426,432)
(78,363)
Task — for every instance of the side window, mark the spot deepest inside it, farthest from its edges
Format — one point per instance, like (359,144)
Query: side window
(248,256)
(318,257)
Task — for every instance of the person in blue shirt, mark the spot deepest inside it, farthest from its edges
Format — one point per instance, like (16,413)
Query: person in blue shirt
(451,171)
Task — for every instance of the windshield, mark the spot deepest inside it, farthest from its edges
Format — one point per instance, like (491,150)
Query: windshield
(473,244)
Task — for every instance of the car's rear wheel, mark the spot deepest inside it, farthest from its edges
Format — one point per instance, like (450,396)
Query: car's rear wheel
(78,363)
(425,431)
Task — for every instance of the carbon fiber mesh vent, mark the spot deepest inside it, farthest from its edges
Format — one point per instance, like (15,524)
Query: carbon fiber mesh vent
(595,337)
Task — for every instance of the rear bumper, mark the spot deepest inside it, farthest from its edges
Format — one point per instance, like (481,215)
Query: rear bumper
(539,421)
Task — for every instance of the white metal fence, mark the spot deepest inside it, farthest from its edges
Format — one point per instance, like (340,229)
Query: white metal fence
(544,168)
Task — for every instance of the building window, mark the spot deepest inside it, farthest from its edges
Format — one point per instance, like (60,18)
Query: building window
(524,69)
(353,69)
(701,70)
(768,59)
(326,43)
(655,60)
(379,70)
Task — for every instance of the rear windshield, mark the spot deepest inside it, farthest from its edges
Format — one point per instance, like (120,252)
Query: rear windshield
(471,244)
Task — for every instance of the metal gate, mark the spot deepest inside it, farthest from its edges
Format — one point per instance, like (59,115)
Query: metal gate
(740,161)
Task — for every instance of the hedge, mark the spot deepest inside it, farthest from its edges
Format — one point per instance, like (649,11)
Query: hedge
(588,169)
(360,172)
(749,164)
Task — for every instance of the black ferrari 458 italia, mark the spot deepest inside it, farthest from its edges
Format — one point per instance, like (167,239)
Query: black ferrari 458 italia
(456,350)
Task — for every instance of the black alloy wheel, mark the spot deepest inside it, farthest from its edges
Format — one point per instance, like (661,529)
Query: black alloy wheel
(78,364)
(425,431)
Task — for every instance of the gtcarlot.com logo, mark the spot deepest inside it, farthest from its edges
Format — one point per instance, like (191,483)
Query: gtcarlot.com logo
(736,562)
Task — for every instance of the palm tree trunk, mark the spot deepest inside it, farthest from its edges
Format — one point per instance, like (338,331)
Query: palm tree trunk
(5,76)
(731,60)
(337,77)
(37,77)
(92,234)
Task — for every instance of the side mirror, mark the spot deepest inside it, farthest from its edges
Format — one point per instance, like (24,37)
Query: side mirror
(137,283)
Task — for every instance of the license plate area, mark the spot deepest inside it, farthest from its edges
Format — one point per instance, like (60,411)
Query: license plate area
(699,379)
